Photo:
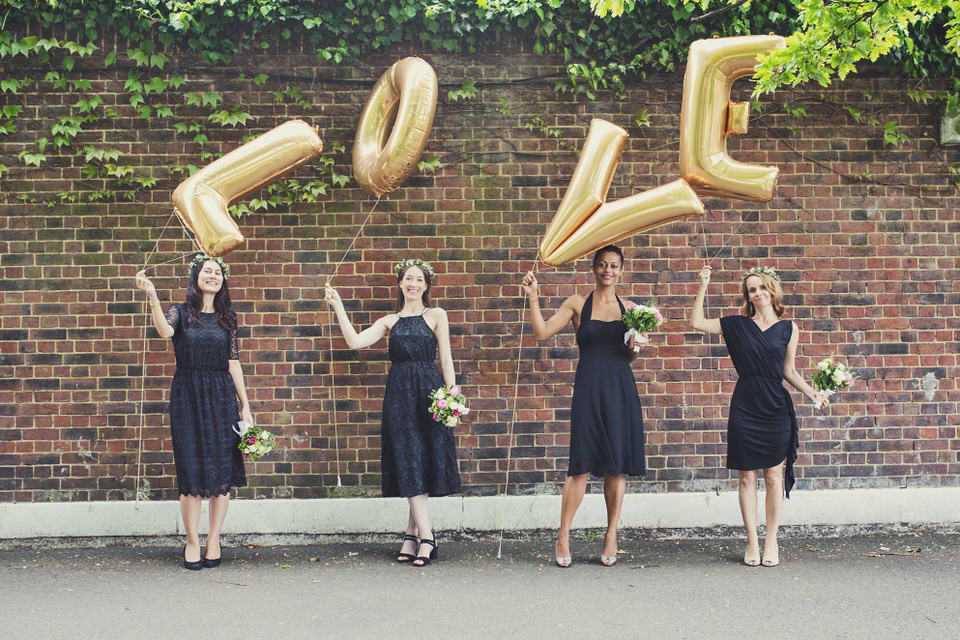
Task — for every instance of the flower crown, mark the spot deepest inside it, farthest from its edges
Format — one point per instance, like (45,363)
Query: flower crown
(202,258)
(403,264)
(767,271)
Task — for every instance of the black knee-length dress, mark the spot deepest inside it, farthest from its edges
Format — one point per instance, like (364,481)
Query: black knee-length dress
(606,428)
(204,407)
(762,428)
(418,454)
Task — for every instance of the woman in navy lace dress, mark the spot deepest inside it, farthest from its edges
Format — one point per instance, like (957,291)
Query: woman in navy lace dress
(418,454)
(762,429)
(207,399)
(606,428)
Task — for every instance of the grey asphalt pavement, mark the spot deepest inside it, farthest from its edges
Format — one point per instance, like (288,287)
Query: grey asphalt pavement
(896,587)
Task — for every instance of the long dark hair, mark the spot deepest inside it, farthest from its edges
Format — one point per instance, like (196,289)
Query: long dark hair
(426,293)
(226,316)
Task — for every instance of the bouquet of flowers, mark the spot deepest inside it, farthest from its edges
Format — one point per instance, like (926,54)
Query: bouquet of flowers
(830,376)
(640,319)
(448,406)
(254,441)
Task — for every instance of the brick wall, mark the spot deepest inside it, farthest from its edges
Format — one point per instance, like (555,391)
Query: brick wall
(865,237)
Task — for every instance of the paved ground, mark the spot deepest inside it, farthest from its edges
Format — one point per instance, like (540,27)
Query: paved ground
(870,587)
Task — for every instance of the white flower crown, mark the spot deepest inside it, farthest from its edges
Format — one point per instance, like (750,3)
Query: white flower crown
(202,258)
(767,271)
(403,264)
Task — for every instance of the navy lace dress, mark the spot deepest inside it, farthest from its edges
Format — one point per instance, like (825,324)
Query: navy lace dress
(606,428)
(762,428)
(204,407)
(418,454)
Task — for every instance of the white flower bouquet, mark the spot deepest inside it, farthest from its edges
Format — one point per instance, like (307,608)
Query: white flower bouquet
(830,376)
(254,441)
(639,319)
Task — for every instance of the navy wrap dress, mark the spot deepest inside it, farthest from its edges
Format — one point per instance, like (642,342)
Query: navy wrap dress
(762,428)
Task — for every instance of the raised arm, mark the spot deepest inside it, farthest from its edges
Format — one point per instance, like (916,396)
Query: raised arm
(697,321)
(355,340)
(790,371)
(543,329)
(442,331)
(156,313)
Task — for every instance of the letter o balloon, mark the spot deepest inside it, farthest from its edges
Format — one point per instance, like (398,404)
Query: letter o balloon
(394,126)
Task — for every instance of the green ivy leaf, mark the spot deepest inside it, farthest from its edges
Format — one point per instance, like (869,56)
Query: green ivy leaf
(139,57)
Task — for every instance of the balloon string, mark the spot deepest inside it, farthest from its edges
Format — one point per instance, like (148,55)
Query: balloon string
(742,222)
(350,248)
(707,263)
(513,417)
(706,336)
(143,378)
(157,243)
(333,401)
(333,375)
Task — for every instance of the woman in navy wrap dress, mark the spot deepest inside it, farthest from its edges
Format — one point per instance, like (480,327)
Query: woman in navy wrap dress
(762,430)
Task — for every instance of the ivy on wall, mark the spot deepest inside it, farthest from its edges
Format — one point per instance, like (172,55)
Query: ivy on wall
(600,53)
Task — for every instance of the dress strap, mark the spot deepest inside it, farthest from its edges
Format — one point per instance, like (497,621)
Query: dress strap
(623,309)
(587,310)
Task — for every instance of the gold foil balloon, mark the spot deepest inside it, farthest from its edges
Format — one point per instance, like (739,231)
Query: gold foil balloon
(708,116)
(394,126)
(584,222)
(201,200)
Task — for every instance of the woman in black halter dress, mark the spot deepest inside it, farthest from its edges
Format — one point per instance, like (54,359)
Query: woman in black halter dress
(762,429)
(418,454)
(606,428)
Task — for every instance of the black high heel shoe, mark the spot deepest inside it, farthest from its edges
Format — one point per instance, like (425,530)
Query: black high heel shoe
(210,563)
(422,561)
(407,557)
(193,566)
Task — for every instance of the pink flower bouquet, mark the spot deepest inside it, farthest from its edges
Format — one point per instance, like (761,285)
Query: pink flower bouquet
(448,406)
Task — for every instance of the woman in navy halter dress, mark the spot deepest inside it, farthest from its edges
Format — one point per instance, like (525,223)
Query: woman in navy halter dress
(418,454)
(606,428)
(207,399)
(762,429)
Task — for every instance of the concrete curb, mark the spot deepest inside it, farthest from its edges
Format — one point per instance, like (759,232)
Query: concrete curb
(880,509)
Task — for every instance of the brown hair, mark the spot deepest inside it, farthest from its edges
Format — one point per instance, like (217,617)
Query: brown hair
(426,293)
(776,295)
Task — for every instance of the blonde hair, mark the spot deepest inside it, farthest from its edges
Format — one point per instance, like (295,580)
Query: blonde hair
(776,295)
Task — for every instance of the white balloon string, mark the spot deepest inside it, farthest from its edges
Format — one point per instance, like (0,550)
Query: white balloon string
(157,243)
(333,401)
(513,417)
(333,375)
(350,248)
(722,246)
(143,379)
(706,336)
